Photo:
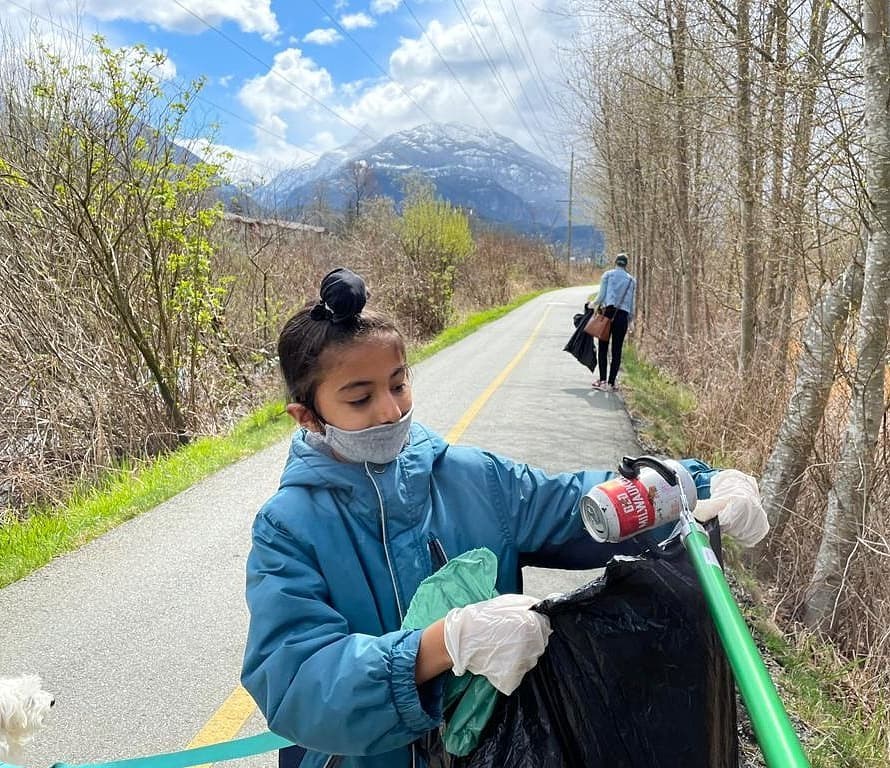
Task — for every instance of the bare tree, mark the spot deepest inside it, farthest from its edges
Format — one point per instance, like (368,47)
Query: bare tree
(850,495)
(791,257)
(747,225)
(816,369)
(678,36)
(361,185)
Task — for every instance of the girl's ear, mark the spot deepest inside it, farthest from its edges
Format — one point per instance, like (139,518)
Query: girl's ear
(303,416)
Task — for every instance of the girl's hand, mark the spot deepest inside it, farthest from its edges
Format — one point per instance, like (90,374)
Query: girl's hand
(500,639)
(735,501)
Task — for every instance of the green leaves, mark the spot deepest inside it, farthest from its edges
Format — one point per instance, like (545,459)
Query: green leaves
(437,238)
(123,207)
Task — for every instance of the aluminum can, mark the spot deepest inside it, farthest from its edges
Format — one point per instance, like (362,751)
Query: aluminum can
(622,507)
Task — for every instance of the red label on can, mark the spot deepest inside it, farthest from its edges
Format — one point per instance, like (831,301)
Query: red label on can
(632,505)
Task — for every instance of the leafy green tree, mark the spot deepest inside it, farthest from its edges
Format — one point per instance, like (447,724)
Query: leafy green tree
(436,238)
(87,153)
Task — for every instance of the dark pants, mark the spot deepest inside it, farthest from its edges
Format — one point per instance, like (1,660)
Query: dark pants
(620,321)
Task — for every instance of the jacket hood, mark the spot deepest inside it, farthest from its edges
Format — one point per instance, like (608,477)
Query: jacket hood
(308,467)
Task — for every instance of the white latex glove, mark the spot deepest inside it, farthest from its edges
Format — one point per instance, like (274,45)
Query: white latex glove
(500,639)
(735,501)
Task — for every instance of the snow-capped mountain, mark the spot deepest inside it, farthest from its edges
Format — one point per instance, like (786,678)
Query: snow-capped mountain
(477,169)
(285,183)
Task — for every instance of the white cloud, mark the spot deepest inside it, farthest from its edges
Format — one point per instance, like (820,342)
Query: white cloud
(384,6)
(225,80)
(247,168)
(327,36)
(249,15)
(357,21)
(324,140)
(62,37)
(382,106)
(294,85)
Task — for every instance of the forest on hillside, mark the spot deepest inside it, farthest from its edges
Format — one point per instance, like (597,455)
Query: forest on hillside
(741,155)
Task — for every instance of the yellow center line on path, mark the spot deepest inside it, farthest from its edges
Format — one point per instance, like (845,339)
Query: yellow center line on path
(227,721)
(458,429)
(235,711)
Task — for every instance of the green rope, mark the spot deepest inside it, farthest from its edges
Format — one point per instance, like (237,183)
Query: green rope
(212,753)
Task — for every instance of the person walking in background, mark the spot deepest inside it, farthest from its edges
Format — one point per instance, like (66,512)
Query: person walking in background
(617,296)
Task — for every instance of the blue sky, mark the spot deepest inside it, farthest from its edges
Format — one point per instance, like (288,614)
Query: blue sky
(290,79)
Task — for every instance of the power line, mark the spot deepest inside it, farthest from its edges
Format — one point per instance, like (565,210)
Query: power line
(516,75)
(531,52)
(268,66)
(373,60)
(536,79)
(447,66)
(539,76)
(480,44)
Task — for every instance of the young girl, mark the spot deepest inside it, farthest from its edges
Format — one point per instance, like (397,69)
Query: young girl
(369,506)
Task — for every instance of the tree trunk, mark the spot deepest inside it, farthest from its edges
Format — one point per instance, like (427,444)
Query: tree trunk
(800,171)
(678,35)
(777,256)
(784,470)
(746,186)
(849,496)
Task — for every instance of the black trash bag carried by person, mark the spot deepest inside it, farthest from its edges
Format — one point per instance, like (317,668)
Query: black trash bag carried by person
(582,345)
(634,676)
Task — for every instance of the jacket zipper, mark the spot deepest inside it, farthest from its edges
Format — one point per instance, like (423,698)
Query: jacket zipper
(392,573)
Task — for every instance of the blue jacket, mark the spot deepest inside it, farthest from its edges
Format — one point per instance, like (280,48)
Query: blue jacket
(337,555)
(618,289)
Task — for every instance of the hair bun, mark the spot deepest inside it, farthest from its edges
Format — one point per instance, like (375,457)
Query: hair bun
(344,293)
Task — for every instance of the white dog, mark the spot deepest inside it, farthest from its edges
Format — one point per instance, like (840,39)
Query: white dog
(23,706)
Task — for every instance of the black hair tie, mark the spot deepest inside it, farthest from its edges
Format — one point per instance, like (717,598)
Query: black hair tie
(342,296)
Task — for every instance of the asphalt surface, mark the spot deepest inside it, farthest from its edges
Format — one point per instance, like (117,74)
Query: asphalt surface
(139,634)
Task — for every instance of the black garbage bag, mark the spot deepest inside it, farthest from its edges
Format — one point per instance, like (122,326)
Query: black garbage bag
(634,676)
(582,346)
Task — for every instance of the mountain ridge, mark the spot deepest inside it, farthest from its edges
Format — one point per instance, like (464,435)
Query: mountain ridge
(477,169)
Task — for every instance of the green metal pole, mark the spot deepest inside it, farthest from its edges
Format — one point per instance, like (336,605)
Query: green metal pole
(775,734)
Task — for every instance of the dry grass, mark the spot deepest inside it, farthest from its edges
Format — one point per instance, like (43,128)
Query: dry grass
(839,686)
(75,407)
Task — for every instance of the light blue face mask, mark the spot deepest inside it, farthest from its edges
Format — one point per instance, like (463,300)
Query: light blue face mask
(377,445)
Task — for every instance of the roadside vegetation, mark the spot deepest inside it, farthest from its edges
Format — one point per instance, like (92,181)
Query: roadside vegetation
(137,318)
(141,484)
(818,686)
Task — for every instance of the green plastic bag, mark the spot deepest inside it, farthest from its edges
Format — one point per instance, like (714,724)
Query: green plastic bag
(466,579)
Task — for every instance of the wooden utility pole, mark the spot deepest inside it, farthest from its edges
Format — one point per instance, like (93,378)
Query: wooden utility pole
(571,178)
(569,201)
